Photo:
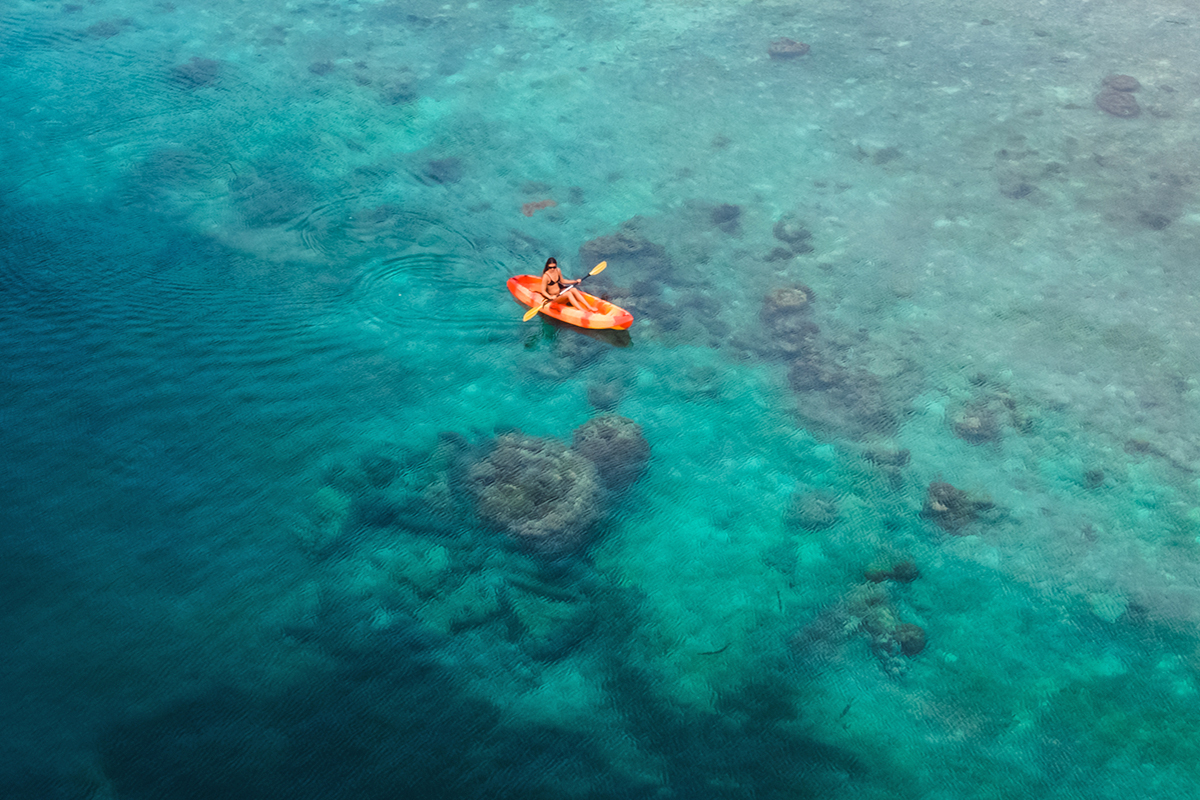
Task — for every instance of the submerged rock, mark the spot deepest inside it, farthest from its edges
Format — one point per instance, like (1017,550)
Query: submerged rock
(605,395)
(909,637)
(786,301)
(787,48)
(791,229)
(894,568)
(813,511)
(540,492)
(444,170)
(617,447)
(1122,83)
(727,217)
(976,424)
(628,249)
(952,509)
(195,73)
(1119,104)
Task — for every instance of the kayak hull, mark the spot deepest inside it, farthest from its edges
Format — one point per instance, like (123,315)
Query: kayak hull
(609,317)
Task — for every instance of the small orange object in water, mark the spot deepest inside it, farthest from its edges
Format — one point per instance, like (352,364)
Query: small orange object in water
(529,208)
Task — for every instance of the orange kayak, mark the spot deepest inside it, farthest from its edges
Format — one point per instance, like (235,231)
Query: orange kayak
(525,287)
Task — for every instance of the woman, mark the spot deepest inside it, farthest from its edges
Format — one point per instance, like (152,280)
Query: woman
(552,287)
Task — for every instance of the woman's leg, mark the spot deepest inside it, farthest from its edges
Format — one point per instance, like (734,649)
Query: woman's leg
(577,299)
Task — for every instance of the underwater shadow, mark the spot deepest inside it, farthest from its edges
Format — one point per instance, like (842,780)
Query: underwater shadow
(620,339)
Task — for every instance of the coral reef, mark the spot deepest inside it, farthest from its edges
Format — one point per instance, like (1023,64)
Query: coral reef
(793,335)
(976,424)
(888,459)
(791,230)
(892,568)
(866,610)
(617,447)
(444,170)
(605,395)
(787,48)
(541,493)
(850,399)
(890,463)
(813,511)
(910,637)
(785,301)
(629,249)
(328,513)
(727,217)
(1122,83)
(195,73)
(108,28)
(1093,478)
(1119,104)
(980,420)
(952,509)
(399,89)
(786,326)
(879,620)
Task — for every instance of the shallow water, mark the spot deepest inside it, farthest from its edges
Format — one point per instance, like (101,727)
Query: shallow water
(261,371)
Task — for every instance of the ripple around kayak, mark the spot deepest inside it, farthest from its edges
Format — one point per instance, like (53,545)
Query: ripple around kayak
(434,291)
(371,222)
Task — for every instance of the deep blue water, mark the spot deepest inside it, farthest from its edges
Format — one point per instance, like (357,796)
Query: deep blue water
(889,492)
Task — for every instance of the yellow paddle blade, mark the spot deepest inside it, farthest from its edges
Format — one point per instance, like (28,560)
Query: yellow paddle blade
(596,270)
(531,312)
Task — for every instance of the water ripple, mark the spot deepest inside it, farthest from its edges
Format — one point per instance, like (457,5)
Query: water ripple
(433,291)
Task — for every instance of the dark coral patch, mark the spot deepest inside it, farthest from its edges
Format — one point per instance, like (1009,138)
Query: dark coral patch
(195,73)
(950,508)
(605,395)
(541,493)
(444,170)
(726,217)
(1154,220)
(399,89)
(786,301)
(1122,83)
(910,637)
(976,424)
(901,570)
(108,28)
(787,48)
(791,229)
(850,399)
(813,511)
(629,249)
(1119,104)
(617,447)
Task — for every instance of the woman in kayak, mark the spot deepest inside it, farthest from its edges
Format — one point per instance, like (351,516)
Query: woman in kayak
(552,287)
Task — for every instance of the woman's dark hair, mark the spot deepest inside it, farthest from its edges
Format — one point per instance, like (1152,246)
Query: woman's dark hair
(550,262)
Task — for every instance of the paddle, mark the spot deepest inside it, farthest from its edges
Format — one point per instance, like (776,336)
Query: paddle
(596,270)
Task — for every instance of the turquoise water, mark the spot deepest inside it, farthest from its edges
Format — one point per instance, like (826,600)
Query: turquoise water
(295,505)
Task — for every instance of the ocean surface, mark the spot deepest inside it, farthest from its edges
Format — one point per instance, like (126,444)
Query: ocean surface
(892,490)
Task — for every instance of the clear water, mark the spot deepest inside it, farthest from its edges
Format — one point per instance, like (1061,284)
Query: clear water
(256,343)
